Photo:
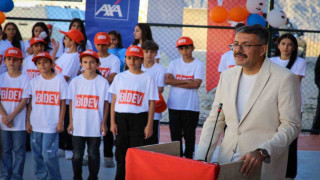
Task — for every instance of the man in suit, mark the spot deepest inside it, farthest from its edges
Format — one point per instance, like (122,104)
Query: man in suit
(261,108)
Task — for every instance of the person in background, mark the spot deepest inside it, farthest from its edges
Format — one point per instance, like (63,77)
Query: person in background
(142,32)
(50,27)
(116,48)
(4,45)
(286,55)
(39,30)
(12,34)
(77,24)
(316,122)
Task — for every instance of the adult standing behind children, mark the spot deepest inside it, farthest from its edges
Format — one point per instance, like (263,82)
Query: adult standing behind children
(142,32)
(157,72)
(109,68)
(116,47)
(132,118)
(13,115)
(185,76)
(77,24)
(287,56)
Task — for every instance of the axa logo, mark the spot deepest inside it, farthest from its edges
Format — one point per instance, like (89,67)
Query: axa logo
(112,9)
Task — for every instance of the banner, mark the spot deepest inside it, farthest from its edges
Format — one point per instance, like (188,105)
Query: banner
(218,41)
(107,15)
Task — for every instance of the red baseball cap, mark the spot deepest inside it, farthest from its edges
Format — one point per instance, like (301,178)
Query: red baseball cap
(102,38)
(91,53)
(37,40)
(184,41)
(74,35)
(13,52)
(49,26)
(42,55)
(134,50)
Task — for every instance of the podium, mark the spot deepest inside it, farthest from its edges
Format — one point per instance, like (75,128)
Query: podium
(163,162)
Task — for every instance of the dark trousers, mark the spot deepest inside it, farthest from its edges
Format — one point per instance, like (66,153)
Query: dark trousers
(292,160)
(93,144)
(183,124)
(108,139)
(65,139)
(130,134)
(154,139)
(316,121)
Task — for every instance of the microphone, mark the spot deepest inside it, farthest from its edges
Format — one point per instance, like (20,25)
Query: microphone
(214,128)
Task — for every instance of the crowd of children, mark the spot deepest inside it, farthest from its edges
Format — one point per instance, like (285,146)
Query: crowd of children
(67,96)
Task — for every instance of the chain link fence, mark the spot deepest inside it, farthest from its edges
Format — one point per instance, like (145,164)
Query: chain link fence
(170,20)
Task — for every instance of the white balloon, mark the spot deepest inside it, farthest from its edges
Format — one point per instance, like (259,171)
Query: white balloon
(255,6)
(277,18)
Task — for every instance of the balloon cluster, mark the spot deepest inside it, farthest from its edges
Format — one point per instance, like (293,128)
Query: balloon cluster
(251,14)
(5,6)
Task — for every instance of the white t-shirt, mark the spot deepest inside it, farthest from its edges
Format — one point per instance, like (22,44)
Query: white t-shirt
(227,61)
(68,64)
(157,72)
(46,96)
(4,45)
(183,98)
(62,49)
(109,65)
(133,92)
(88,98)
(29,68)
(12,92)
(298,68)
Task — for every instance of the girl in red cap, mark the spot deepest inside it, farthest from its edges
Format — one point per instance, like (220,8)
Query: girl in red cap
(14,96)
(132,107)
(89,108)
(46,110)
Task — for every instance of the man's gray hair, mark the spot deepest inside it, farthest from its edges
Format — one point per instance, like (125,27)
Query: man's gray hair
(261,32)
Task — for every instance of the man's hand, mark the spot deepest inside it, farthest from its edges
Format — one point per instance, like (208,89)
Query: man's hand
(251,161)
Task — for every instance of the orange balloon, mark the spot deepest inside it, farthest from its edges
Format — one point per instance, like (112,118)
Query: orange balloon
(239,14)
(2,17)
(219,14)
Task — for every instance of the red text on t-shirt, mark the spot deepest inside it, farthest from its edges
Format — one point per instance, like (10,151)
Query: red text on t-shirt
(183,77)
(48,98)
(230,66)
(57,69)
(11,94)
(104,71)
(87,102)
(32,73)
(131,97)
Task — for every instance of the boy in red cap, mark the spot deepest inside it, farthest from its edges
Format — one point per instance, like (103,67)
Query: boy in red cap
(89,108)
(132,107)
(156,71)
(37,45)
(109,67)
(185,76)
(14,96)
(47,107)
(68,65)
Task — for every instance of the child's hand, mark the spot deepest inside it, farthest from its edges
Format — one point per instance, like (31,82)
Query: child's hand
(60,127)
(10,124)
(28,127)
(114,129)
(54,43)
(6,119)
(148,132)
(70,129)
(103,130)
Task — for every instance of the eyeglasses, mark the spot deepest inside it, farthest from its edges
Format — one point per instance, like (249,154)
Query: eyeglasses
(244,47)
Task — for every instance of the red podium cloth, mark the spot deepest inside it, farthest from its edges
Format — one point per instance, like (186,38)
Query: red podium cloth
(146,165)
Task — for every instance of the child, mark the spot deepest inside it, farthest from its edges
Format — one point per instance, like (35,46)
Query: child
(12,34)
(37,45)
(39,29)
(132,107)
(14,97)
(110,66)
(89,107)
(156,71)
(185,75)
(116,47)
(68,65)
(45,117)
